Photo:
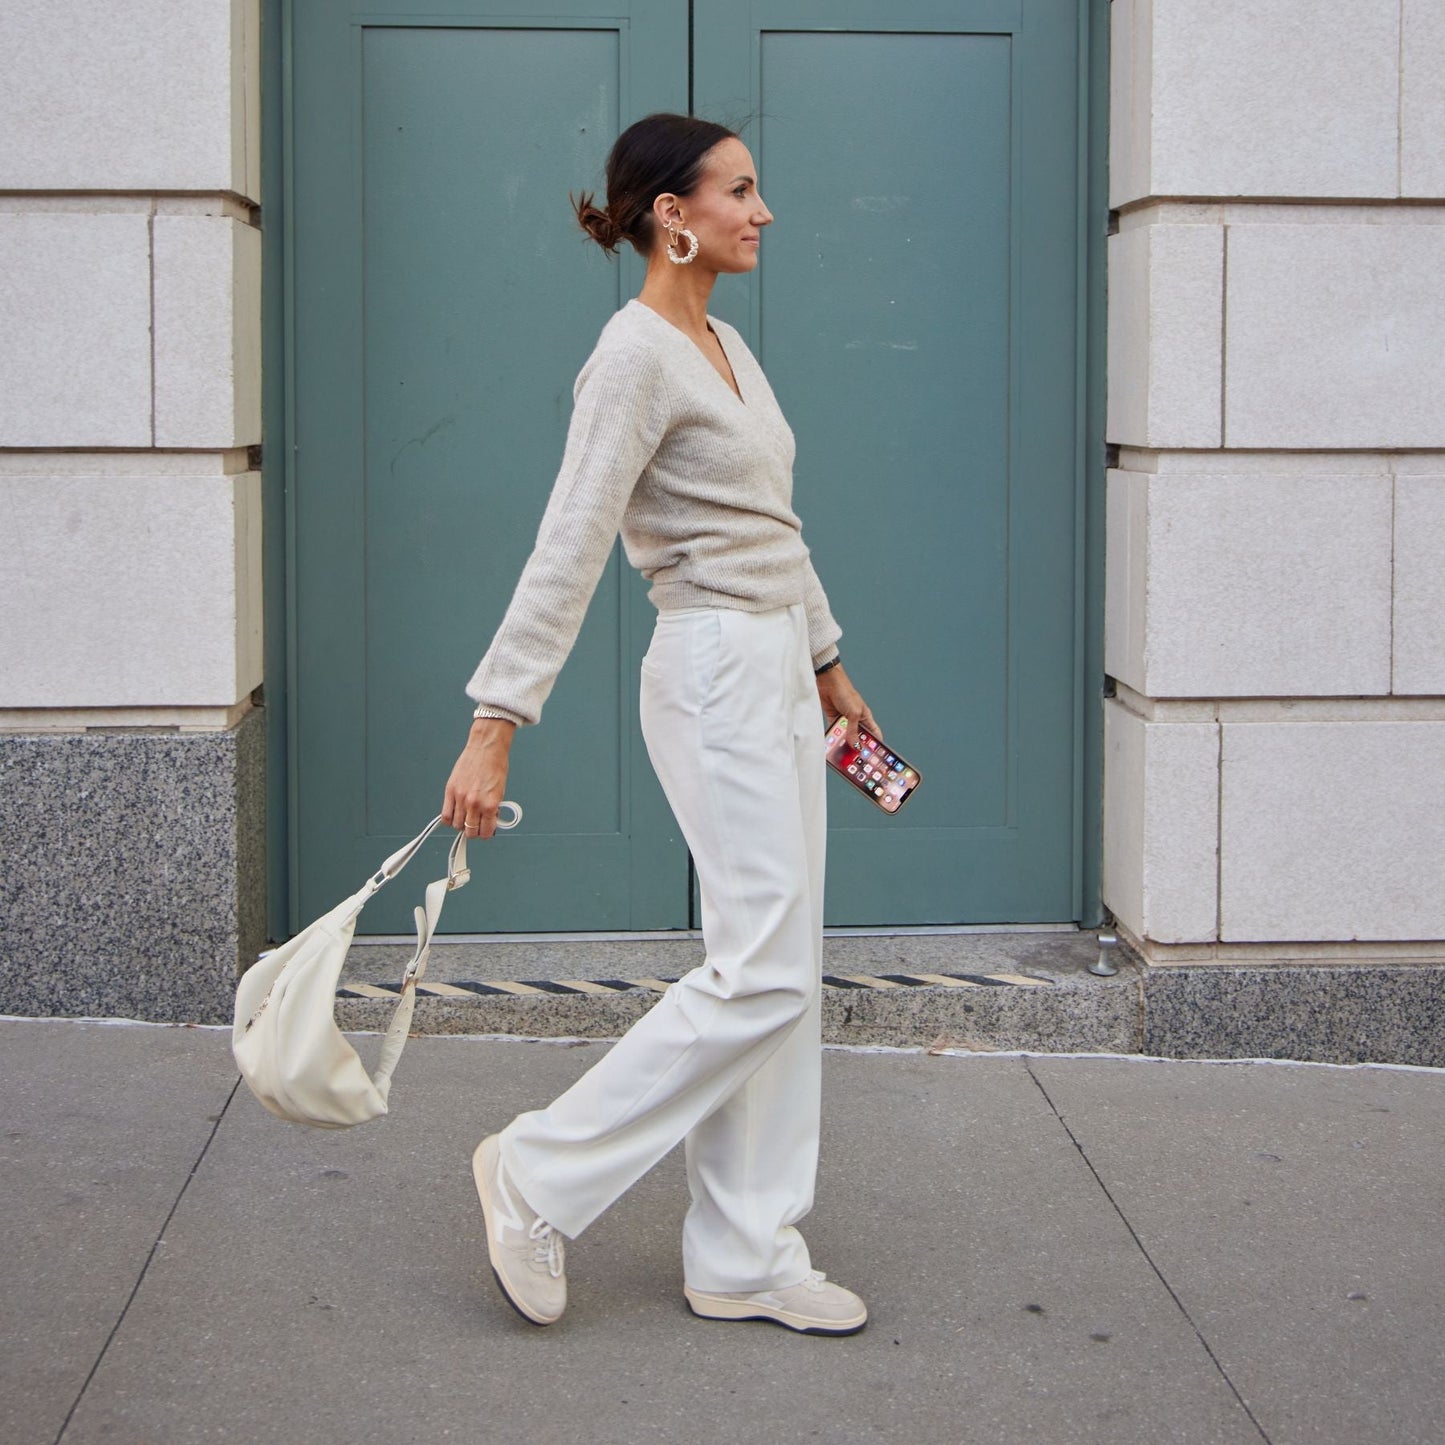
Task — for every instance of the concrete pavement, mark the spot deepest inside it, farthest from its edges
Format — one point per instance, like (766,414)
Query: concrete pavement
(1053,1248)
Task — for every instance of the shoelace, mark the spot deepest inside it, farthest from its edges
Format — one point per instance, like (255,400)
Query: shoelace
(549,1249)
(814,1279)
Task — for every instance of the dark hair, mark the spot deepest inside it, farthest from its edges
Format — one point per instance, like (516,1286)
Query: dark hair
(661,152)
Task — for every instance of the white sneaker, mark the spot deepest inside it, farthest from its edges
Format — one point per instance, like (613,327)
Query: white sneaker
(813,1306)
(527,1255)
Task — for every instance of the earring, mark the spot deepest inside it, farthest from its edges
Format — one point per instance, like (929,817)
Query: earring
(672,233)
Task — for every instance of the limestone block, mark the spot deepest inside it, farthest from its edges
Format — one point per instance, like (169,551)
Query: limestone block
(1131,41)
(1249,586)
(75,318)
(129,590)
(1165,314)
(1422,100)
(1332,830)
(208,331)
(1334,335)
(246,82)
(1420,585)
(1234,98)
(1161,789)
(148,95)
(1126,577)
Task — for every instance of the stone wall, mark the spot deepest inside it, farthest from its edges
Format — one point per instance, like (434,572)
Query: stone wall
(1275,748)
(131,750)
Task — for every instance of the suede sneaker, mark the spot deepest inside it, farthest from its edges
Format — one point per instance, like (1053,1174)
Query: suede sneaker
(813,1306)
(527,1255)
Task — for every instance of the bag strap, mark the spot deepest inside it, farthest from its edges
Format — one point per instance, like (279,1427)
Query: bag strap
(427,919)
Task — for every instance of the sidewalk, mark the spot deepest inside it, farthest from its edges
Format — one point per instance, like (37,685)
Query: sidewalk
(1054,1249)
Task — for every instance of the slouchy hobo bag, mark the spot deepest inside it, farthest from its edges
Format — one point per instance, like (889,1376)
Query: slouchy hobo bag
(284,1034)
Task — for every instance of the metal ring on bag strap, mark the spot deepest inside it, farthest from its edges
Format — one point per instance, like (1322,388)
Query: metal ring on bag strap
(457,871)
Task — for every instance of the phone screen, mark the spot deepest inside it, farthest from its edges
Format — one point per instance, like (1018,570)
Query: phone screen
(874,769)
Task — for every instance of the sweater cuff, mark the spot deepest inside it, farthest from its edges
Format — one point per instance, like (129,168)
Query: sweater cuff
(827,654)
(486,710)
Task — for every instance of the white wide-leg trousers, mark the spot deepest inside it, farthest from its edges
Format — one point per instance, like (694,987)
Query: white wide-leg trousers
(729,1060)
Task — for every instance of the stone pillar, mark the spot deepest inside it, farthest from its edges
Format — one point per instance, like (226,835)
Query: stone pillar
(131,744)
(1275,745)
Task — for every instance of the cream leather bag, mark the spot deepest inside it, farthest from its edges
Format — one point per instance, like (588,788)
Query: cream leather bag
(284,1035)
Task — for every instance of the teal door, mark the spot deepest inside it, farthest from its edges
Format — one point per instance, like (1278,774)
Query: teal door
(915,310)
(444,300)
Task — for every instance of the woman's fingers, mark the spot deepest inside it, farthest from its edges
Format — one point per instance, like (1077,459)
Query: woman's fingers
(474,791)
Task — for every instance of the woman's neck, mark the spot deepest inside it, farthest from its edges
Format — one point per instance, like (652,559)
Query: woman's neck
(680,294)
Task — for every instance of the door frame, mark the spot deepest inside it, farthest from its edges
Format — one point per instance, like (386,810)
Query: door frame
(278,411)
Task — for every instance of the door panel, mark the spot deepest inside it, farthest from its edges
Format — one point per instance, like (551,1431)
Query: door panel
(445,300)
(914,309)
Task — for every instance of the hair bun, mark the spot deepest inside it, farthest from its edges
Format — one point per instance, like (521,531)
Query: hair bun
(597,223)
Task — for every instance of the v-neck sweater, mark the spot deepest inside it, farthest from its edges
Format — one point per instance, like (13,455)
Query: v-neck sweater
(698,482)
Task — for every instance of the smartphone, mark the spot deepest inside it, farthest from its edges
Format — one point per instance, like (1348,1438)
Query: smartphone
(874,769)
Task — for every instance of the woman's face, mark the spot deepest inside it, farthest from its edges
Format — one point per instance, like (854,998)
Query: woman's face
(725,212)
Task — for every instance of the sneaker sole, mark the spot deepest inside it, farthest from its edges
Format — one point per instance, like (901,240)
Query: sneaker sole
(714,1307)
(479,1179)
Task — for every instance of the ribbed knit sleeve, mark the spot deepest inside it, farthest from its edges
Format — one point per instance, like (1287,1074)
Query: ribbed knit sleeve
(620,414)
(823,629)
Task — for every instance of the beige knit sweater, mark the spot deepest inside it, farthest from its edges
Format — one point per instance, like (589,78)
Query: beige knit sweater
(699,483)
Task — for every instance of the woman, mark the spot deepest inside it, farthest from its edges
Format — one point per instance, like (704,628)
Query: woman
(677,440)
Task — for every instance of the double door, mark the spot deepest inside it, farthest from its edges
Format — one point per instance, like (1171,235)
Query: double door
(915,310)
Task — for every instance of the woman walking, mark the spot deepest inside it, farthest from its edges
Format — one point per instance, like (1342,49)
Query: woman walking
(676,440)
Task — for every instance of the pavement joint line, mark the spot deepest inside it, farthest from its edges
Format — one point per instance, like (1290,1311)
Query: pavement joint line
(952,1051)
(462,988)
(145,1268)
(1148,1258)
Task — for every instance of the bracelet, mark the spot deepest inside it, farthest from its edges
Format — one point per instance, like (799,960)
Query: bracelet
(832,662)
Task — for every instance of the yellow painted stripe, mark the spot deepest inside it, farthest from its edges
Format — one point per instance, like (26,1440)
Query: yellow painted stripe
(661,985)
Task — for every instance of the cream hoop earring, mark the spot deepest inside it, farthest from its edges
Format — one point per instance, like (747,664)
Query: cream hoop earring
(673,231)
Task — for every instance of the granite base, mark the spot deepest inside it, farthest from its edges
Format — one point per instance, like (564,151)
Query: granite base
(1362,1013)
(134,879)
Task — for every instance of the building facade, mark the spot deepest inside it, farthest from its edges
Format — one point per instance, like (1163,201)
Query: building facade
(1223,728)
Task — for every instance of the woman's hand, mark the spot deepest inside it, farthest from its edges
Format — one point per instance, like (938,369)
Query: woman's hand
(840,698)
(479,778)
